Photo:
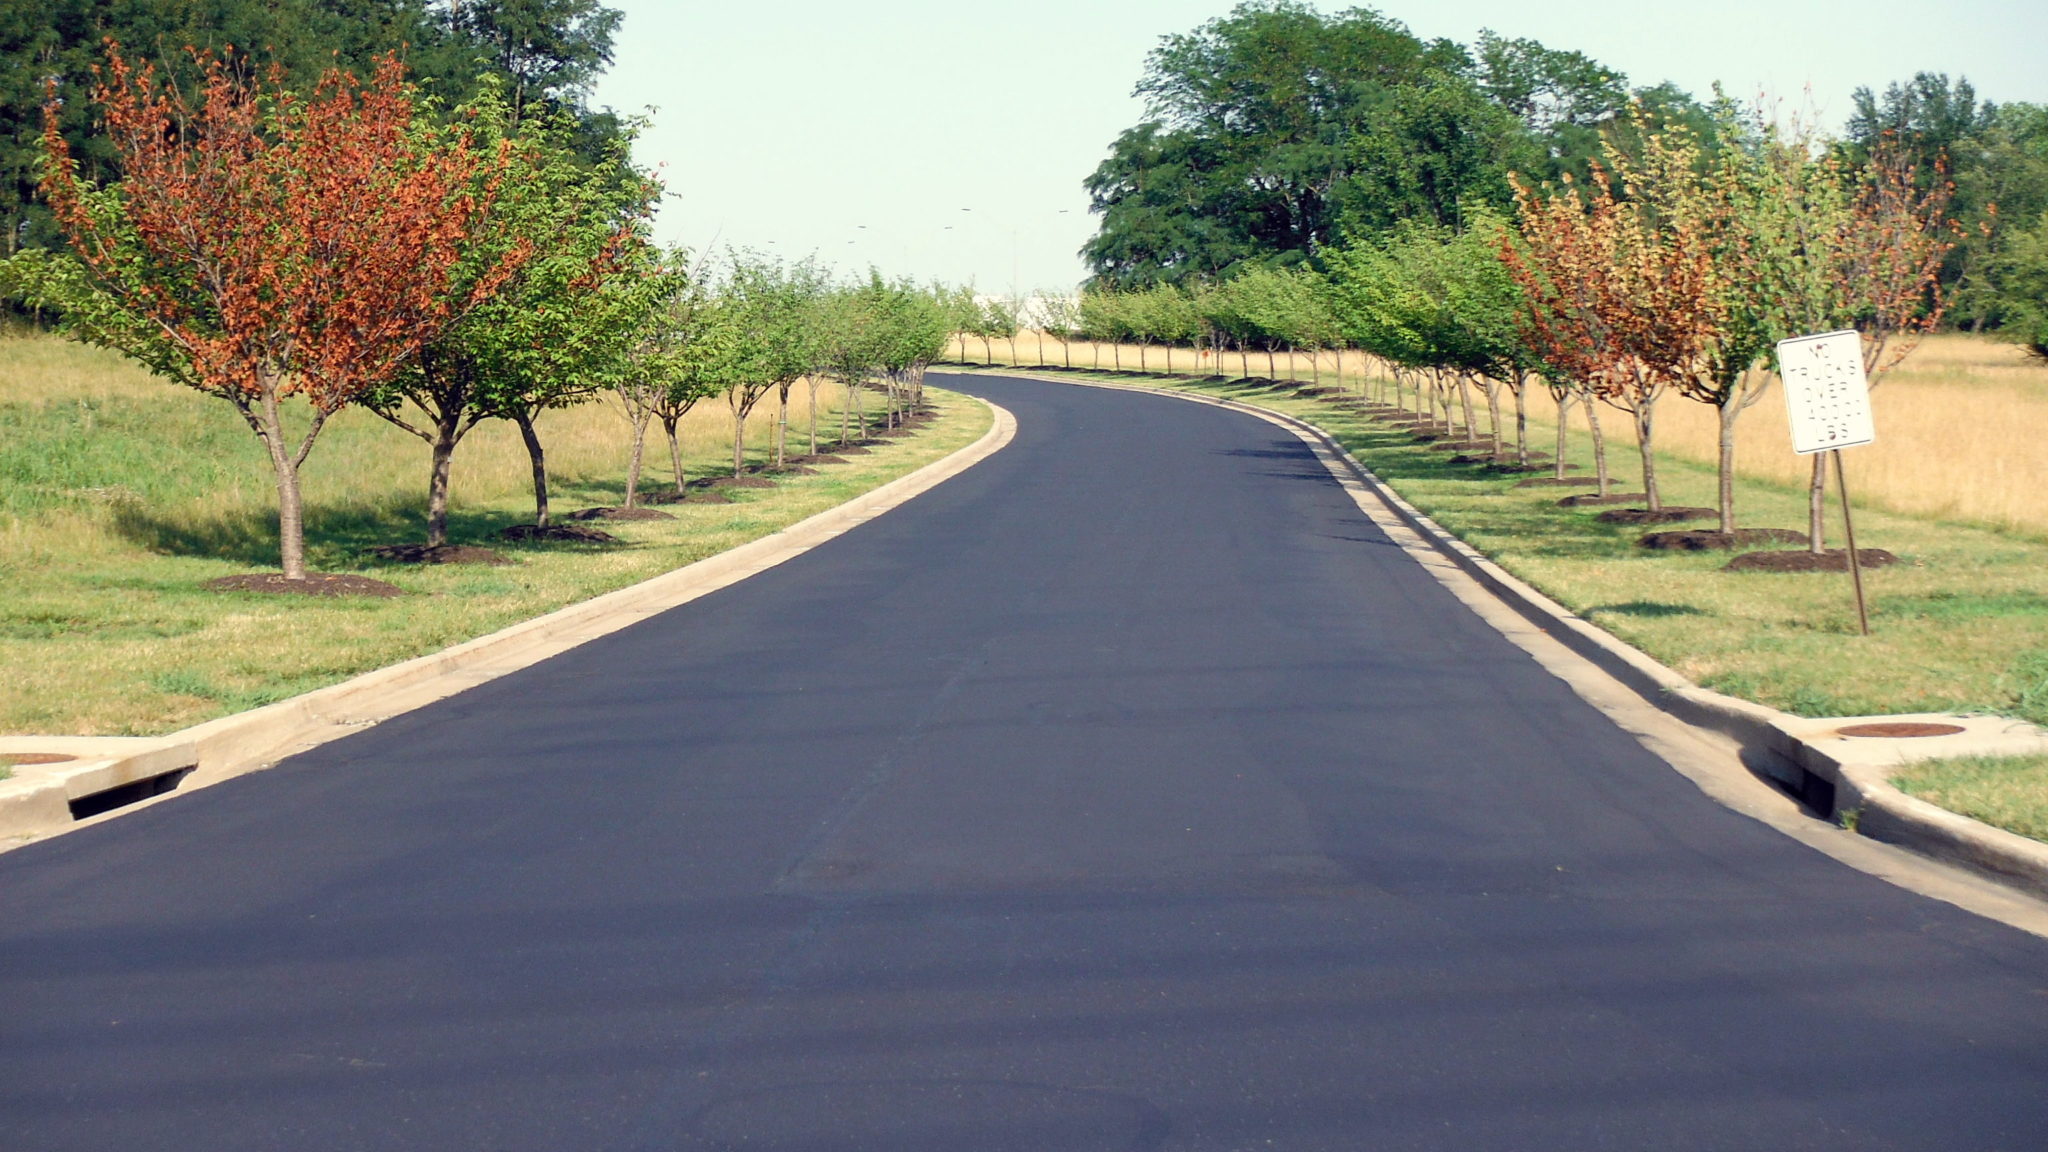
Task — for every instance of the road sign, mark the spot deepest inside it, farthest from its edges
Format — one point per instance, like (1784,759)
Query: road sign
(1826,393)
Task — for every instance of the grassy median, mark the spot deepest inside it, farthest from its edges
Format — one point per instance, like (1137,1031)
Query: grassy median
(121,495)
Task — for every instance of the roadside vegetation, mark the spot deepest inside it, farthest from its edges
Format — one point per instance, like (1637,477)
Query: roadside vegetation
(125,497)
(2008,791)
(449,296)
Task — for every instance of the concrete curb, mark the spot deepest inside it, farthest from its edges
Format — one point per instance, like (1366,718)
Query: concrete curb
(38,800)
(1846,777)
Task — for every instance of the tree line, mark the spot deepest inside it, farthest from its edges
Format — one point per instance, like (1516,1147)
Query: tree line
(296,251)
(1674,268)
(1276,135)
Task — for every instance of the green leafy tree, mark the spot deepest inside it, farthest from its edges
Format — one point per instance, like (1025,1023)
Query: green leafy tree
(1245,144)
(559,330)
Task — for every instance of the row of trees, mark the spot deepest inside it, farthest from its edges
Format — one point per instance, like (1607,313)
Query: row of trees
(1277,135)
(1675,267)
(541,54)
(295,253)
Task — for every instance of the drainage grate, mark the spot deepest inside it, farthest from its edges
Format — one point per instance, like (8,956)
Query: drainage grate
(132,793)
(1899,729)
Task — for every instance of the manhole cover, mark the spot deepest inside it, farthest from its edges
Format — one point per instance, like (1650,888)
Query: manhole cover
(22,759)
(1899,729)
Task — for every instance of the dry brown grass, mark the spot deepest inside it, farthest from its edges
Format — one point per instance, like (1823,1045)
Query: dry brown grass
(1962,425)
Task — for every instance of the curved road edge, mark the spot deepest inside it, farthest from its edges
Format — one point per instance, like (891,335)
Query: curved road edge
(35,807)
(1705,736)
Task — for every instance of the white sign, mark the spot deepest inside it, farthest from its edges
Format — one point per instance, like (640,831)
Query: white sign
(1826,393)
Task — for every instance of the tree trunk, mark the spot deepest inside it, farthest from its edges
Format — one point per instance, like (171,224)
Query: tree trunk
(1141,357)
(675,452)
(740,407)
(813,383)
(443,454)
(781,424)
(538,458)
(1564,410)
(1604,482)
(1465,402)
(1728,412)
(1272,371)
(1522,422)
(1645,426)
(1116,353)
(1493,416)
(291,516)
(633,462)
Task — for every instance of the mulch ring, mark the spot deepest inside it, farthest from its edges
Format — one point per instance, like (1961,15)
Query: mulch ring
(696,496)
(1555,482)
(315,584)
(820,458)
(1670,514)
(1589,499)
(437,554)
(1463,446)
(732,482)
(558,534)
(850,449)
(1705,540)
(788,469)
(1832,560)
(619,514)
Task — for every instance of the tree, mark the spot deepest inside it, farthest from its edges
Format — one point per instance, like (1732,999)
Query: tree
(261,246)
(646,388)
(1244,148)
(547,51)
(558,320)
(766,325)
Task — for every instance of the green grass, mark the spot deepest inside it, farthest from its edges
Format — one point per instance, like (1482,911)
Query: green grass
(2008,791)
(1961,624)
(121,495)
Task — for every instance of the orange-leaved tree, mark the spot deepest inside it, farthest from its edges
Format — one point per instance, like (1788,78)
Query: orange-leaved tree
(261,246)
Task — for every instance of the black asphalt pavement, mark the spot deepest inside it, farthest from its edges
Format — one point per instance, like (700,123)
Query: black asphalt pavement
(1130,791)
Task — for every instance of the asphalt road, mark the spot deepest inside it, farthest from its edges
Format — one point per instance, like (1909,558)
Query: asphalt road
(1130,791)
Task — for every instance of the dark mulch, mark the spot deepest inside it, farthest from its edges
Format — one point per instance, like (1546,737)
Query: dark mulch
(695,496)
(850,450)
(1554,482)
(1589,500)
(820,458)
(315,584)
(732,482)
(437,554)
(558,534)
(1833,560)
(1463,446)
(788,470)
(1705,540)
(619,514)
(1670,514)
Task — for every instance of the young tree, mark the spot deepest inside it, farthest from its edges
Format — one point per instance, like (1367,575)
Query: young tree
(261,247)
(572,213)
(767,321)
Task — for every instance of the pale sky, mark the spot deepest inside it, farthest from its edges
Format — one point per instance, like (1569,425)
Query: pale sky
(950,140)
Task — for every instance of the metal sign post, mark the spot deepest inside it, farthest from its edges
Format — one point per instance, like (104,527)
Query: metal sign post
(1827,398)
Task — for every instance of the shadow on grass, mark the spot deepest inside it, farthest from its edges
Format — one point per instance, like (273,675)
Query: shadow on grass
(1647,609)
(336,535)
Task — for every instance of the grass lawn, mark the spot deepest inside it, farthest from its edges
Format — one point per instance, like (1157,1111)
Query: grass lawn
(1961,624)
(2009,791)
(120,495)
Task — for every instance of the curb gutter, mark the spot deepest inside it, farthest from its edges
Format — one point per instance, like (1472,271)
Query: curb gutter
(91,776)
(1846,777)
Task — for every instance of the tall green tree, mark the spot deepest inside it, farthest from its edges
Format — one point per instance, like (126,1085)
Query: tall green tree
(1245,145)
